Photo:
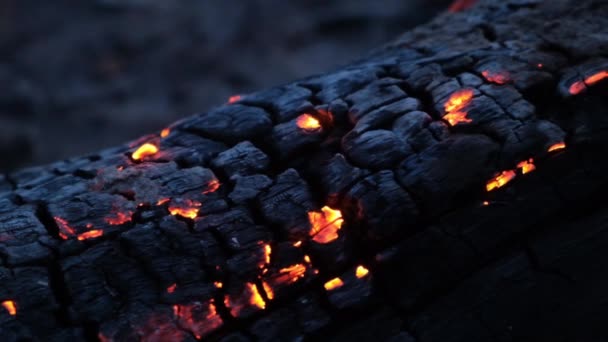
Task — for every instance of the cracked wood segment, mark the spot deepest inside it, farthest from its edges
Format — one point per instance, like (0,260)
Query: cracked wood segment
(248,224)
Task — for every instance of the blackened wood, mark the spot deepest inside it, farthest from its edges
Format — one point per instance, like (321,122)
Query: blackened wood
(213,237)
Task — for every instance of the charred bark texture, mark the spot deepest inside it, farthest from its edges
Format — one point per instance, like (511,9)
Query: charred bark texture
(464,165)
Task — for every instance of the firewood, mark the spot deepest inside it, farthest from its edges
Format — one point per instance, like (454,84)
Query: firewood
(449,186)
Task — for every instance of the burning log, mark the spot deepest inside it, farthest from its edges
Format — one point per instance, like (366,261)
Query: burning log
(458,173)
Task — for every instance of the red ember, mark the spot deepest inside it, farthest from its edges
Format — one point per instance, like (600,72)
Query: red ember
(496,77)
(65,231)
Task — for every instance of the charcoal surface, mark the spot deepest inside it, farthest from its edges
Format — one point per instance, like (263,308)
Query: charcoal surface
(448,186)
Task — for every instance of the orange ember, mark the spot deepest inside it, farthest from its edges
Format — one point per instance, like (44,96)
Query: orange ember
(250,297)
(212,186)
(64,228)
(361,272)
(454,107)
(526,166)
(163,201)
(307,259)
(268,290)
(267,251)
(500,180)
(165,133)
(579,86)
(308,122)
(91,234)
(218,284)
(333,284)
(325,224)
(458,100)
(256,299)
(597,77)
(10,306)
(144,151)
(297,244)
(486,203)
(557,146)
(456,118)
(234,98)
(294,272)
(461,5)
(496,77)
(171,288)
(188,210)
(119,218)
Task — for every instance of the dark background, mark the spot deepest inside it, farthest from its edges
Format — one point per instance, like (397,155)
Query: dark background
(77,75)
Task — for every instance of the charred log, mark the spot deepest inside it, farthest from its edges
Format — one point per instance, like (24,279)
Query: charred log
(448,187)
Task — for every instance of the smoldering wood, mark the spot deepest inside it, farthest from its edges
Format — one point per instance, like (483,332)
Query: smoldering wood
(213,236)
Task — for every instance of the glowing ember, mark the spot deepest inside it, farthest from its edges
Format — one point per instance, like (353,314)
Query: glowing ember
(218,284)
(10,306)
(165,133)
(486,203)
(297,244)
(267,251)
(65,231)
(557,146)
(333,284)
(199,318)
(256,299)
(250,297)
(307,259)
(189,209)
(500,180)
(579,86)
(456,118)
(454,107)
(325,224)
(526,166)
(268,290)
(144,151)
(308,123)
(212,186)
(361,272)
(163,201)
(461,5)
(458,100)
(496,77)
(91,234)
(171,288)
(597,77)
(234,98)
(293,273)
(119,218)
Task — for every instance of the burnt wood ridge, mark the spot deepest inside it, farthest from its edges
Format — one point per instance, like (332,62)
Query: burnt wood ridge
(450,186)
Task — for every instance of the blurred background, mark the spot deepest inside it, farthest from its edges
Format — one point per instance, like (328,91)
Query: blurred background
(78,76)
